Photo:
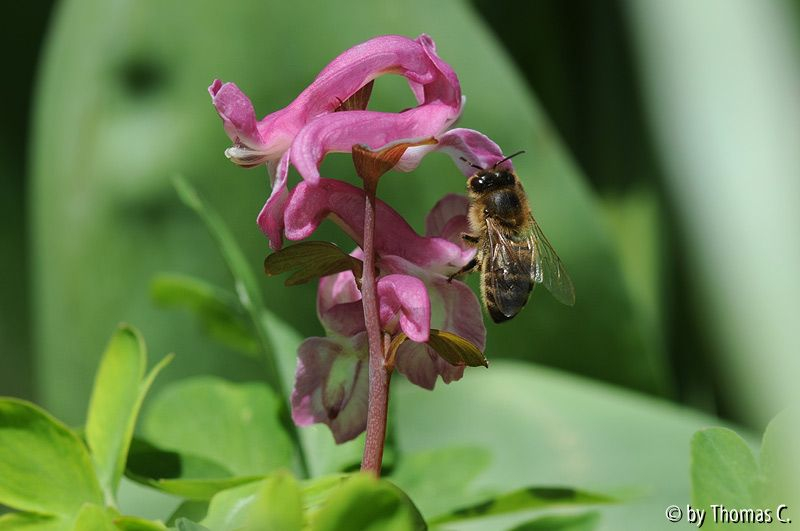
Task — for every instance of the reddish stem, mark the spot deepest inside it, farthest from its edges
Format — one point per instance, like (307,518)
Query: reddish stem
(379,374)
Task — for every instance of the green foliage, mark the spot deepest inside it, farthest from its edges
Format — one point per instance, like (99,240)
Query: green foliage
(217,309)
(311,260)
(239,427)
(523,499)
(120,387)
(366,503)
(725,472)
(94,517)
(570,522)
(44,467)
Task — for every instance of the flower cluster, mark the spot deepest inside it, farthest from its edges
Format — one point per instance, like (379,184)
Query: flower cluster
(414,293)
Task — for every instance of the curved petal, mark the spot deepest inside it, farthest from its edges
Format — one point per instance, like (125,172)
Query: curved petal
(331,385)
(339,132)
(430,78)
(310,204)
(270,219)
(237,113)
(339,305)
(475,147)
(404,300)
(417,362)
(448,219)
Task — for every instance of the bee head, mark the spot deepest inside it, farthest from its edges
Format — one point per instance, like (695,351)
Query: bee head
(486,180)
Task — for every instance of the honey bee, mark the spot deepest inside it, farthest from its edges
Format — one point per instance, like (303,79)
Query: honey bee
(513,252)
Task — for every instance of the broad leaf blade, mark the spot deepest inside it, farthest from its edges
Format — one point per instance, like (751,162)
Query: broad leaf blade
(30,522)
(567,522)
(235,425)
(94,517)
(311,260)
(44,467)
(134,523)
(278,505)
(366,503)
(218,310)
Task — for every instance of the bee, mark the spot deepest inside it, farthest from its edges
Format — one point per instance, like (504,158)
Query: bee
(513,253)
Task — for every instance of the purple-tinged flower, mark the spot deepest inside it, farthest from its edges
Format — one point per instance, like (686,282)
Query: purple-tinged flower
(414,296)
(308,128)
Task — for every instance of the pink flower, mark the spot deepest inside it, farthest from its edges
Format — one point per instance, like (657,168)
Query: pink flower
(414,296)
(308,128)
(413,291)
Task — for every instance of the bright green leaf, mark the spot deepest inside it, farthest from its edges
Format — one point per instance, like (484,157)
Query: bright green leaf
(724,471)
(191,509)
(31,522)
(235,425)
(368,504)
(184,524)
(310,260)
(526,499)
(182,474)
(218,310)
(119,389)
(780,467)
(566,522)
(439,480)
(44,467)
(228,510)
(94,517)
(278,505)
(134,523)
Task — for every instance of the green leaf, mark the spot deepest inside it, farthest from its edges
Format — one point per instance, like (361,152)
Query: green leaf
(456,350)
(228,510)
(310,260)
(780,467)
(134,523)
(94,517)
(439,480)
(569,522)
(235,425)
(184,524)
(724,471)
(366,503)
(549,427)
(44,467)
(218,310)
(119,389)
(191,509)
(278,504)
(526,499)
(181,474)
(31,522)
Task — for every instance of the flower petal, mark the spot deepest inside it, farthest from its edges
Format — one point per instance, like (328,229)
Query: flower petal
(270,219)
(475,147)
(404,300)
(339,132)
(310,204)
(332,386)
(448,220)
(339,305)
(237,113)
(416,361)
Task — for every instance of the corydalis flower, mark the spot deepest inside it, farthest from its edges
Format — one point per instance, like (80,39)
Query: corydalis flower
(413,291)
(414,296)
(308,128)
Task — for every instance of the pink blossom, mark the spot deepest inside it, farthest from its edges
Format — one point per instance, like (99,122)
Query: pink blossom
(330,385)
(413,291)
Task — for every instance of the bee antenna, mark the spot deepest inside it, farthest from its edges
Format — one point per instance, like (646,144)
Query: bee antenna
(471,164)
(496,164)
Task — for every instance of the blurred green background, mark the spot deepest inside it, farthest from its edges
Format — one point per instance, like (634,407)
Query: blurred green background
(662,161)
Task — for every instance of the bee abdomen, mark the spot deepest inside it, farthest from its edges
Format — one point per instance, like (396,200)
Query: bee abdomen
(505,294)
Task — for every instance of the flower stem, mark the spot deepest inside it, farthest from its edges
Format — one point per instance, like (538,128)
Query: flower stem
(379,374)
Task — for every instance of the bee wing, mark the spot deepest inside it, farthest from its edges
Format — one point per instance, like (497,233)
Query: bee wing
(548,268)
(510,262)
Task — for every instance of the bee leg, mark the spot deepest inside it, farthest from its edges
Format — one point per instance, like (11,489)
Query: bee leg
(472,264)
(469,238)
